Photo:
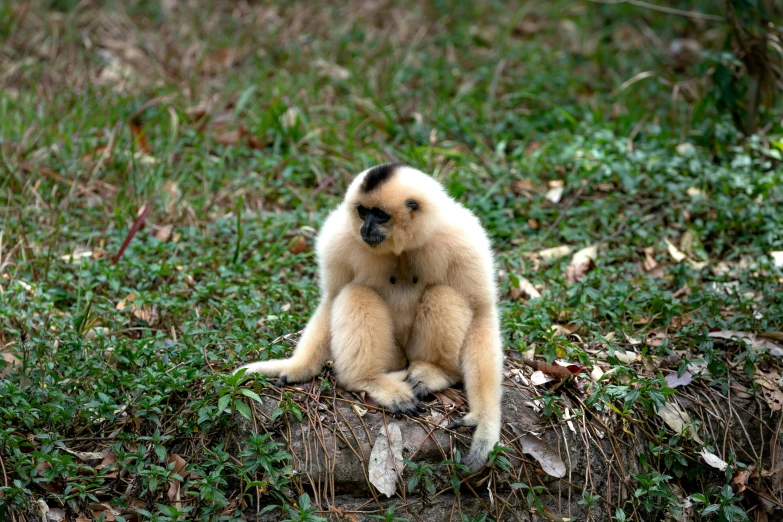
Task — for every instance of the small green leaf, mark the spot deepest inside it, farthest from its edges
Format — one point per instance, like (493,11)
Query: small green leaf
(244,409)
(250,393)
(223,402)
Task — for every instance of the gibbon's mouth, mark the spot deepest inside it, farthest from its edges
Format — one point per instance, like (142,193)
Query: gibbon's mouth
(373,240)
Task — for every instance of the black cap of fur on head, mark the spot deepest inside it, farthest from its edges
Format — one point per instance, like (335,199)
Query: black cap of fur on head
(379,175)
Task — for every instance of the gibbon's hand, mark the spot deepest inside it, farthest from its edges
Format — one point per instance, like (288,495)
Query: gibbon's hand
(481,445)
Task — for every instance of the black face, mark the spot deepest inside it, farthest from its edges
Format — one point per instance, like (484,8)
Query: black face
(372,217)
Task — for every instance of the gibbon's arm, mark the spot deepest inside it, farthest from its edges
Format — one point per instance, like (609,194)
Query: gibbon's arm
(312,351)
(482,356)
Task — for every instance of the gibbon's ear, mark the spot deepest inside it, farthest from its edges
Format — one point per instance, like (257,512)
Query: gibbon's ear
(411,204)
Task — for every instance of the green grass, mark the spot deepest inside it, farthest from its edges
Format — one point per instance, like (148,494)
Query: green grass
(460,92)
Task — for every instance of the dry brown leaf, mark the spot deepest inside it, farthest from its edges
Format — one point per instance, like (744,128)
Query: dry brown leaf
(555,192)
(713,460)
(386,459)
(85,456)
(650,263)
(529,26)
(331,70)
(557,369)
(550,254)
(757,341)
(164,233)
(231,137)
(361,412)
(11,362)
(299,246)
(524,289)
(674,381)
(522,187)
(540,450)
(678,420)
(675,252)
(83,518)
(221,60)
(582,262)
(539,378)
(740,481)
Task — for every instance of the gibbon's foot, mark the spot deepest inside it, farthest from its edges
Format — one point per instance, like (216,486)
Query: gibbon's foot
(420,390)
(464,422)
(406,406)
(478,454)
(425,378)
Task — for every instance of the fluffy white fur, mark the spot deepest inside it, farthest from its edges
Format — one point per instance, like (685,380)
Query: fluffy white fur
(411,315)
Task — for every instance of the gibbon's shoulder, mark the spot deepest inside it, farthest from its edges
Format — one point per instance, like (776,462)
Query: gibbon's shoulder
(334,233)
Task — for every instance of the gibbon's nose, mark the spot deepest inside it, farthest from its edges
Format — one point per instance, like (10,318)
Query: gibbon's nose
(370,233)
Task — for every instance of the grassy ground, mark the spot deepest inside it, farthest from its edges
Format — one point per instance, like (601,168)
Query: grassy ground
(232,129)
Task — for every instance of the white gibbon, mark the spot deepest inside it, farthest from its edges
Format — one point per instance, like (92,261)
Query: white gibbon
(409,302)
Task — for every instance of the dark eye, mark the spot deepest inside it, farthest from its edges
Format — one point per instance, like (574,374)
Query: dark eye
(380,216)
(363,211)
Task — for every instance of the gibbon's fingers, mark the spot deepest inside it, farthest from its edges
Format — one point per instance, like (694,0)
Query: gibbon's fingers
(482,367)
(309,356)
(364,351)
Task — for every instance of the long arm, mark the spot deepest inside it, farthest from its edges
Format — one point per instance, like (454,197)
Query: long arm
(481,358)
(312,351)
(482,369)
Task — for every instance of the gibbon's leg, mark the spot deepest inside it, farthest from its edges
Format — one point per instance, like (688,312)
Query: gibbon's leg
(364,351)
(310,354)
(482,370)
(442,321)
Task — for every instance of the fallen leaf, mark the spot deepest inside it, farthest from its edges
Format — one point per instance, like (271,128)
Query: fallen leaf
(11,362)
(713,460)
(290,118)
(757,341)
(231,137)
(529,26)
(76,257)
(386,460)
(777,258)
(674,252)
(674,381)
(650,263)
(164,233)
(740,481)
(686,242)
(299,246)
(550,254)
(524,289)
(331,70)
(540,450)
(557,369)
(774,398)
(555,193)
(83,518)
(539,378)
(55,515)
(678,420)
(221,60)
(86,456)
(582,262)
(361,412)
(597,373)
(522,187)
(626,357)
(564,330)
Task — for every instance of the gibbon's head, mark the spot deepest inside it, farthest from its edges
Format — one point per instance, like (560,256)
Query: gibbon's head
(394,208)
